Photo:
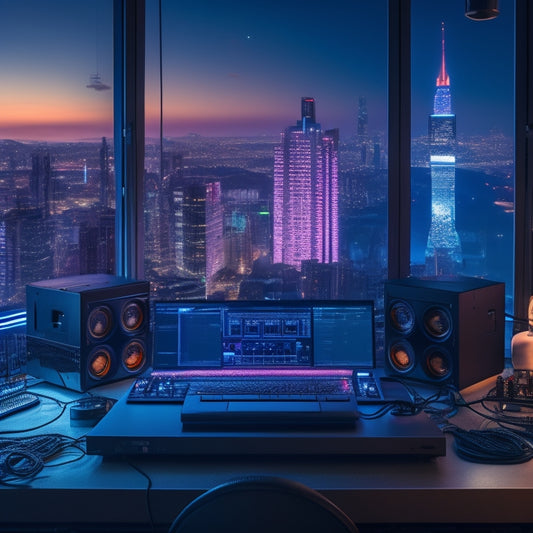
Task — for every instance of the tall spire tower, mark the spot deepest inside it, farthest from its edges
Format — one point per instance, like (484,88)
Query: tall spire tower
(443,80)
(443,250)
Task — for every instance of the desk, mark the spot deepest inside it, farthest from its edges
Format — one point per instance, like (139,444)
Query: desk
(94,494)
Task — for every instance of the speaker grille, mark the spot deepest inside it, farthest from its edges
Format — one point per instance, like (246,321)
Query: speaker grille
(437,323)
(402,317)
(100,322)
(132,317)
(100,362)
(134,356)
(438,363)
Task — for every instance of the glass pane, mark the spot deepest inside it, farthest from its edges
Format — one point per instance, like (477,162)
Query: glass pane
(266,157)
(56,159)
(462,143)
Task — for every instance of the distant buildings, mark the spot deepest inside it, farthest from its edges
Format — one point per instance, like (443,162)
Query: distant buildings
(306,217)
(443,251)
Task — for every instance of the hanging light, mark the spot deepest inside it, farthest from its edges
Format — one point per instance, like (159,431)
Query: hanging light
(481,9)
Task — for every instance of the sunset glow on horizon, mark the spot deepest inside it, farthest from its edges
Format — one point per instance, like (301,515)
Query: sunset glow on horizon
(240,71)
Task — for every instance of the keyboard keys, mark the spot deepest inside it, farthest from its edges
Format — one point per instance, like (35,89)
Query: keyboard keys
(174,389)
(16,403)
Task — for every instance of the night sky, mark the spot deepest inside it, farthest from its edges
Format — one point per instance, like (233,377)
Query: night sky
(241,67)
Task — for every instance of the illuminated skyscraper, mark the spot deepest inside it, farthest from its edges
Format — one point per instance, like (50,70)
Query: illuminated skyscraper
(197,231)
(306,192)
(443,250)
(105,174)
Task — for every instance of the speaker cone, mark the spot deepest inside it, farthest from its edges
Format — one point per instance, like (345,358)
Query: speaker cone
(437,323)
(99,362)
(100,322)
(438,363)
(132,316)
(133,356)
(402,356)
(402,317)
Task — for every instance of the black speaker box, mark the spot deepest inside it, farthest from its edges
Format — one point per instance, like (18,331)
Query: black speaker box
(444,331)
(87,330)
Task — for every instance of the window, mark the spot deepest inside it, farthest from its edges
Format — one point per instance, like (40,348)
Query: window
(243,104)
(266,150)
(463,176)
(57,201)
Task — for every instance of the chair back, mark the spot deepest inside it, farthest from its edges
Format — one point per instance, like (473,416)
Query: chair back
(262,504)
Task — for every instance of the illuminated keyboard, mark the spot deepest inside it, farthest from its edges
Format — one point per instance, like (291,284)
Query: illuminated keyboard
(173,388)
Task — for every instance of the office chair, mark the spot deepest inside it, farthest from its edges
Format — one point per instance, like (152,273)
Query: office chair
(262,504)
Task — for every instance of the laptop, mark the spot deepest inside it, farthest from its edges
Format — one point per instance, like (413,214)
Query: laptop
(261,363)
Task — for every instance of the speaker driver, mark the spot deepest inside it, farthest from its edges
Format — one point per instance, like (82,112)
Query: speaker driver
(437,323)
(402,356)
(100,322)
(402,317)
(133,356)
(99,362)
(438,363)
(132,316)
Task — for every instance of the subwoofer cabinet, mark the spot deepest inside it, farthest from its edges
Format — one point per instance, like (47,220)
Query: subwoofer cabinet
(444,331)
(87,330)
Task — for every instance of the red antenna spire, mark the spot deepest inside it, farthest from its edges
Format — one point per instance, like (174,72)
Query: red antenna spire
(443,79)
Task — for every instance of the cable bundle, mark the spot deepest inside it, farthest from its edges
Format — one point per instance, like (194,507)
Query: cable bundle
(25,457)
(491,446)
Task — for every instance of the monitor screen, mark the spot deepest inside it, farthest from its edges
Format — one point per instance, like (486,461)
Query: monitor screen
(265,334)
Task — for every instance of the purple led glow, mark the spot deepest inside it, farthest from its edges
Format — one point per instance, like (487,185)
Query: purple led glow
(255,372)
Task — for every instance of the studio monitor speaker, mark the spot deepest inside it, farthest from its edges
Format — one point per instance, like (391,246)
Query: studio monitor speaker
(87,330)
(442,331)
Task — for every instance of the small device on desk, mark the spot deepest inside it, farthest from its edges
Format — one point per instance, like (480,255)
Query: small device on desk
(87,412)
(517,387)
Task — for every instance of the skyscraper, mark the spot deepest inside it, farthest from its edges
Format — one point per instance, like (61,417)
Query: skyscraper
(362,130)
(443,250)
(40,178)
(105,175)
(306,192)
(198,230)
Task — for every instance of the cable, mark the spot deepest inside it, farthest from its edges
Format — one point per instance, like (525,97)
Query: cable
(520,320)
(25,457)
(62,405)
(490,446)
(148,488)
(444,396)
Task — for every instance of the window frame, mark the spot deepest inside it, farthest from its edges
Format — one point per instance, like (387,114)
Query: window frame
(129,58)
(523,250)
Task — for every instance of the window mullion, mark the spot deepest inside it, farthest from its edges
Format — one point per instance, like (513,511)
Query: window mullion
(399,222)
(129,135)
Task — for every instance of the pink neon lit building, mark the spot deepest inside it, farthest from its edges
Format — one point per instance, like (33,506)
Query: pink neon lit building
(306,218)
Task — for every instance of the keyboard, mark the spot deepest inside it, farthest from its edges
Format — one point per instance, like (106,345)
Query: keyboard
(173,388)
(17,402)
(273,389)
